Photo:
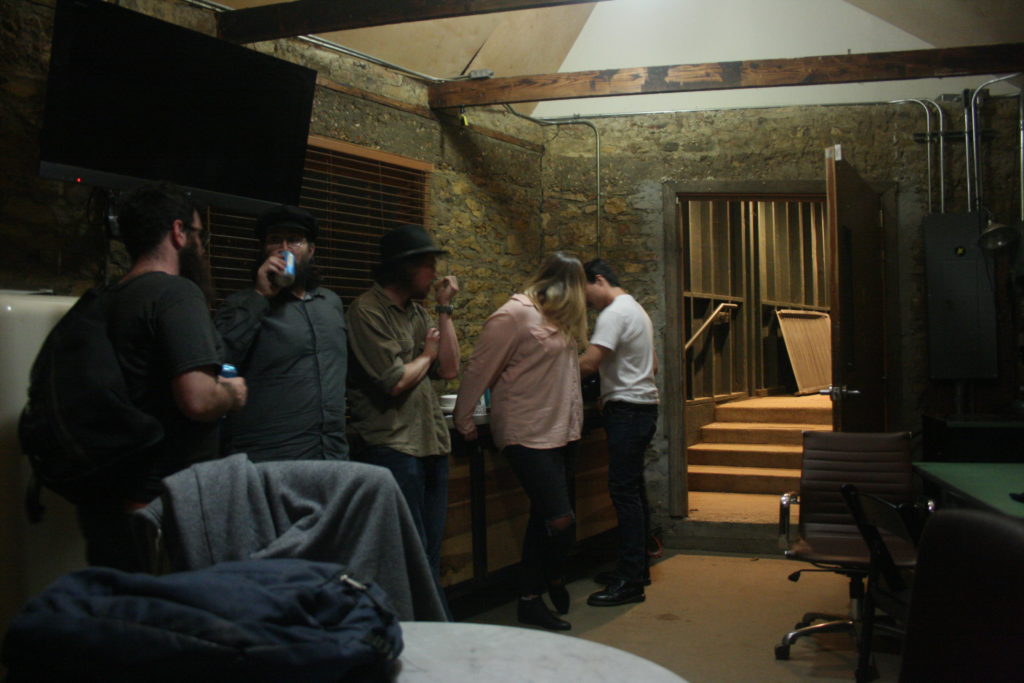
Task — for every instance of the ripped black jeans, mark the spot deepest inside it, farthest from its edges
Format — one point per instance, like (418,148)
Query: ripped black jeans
(546,476)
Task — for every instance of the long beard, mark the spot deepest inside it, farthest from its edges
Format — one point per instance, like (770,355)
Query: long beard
(306,275)
(195,267)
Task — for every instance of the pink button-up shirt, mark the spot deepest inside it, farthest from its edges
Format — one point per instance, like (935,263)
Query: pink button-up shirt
(534,374)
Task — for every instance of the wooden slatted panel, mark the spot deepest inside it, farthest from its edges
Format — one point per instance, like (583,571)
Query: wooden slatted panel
(776,241)
(808,337)
(356,198)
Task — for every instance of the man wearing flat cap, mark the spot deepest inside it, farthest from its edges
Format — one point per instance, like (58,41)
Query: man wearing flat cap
(396,347)
(287,339)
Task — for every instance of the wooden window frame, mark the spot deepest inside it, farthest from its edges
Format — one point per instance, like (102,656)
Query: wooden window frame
(356,194)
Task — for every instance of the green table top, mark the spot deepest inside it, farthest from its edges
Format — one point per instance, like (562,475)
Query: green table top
(983,484)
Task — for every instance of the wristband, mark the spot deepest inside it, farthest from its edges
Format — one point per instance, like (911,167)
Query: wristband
(444,308)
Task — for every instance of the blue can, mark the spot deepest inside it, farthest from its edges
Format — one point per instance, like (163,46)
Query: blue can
(286,278)
(228,370)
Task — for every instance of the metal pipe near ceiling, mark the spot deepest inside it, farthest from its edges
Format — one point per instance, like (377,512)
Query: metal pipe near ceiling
(942,153)
(576,120)
(967,148)
(979,199)
(928,141)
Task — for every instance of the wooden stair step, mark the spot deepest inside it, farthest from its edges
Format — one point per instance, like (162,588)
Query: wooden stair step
(758,432)
(745,455)
(802,410)
(742,479)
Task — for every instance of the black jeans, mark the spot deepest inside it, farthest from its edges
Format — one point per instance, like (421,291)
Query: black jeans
(109,538)
(545,475)
(630,427)
(424,484)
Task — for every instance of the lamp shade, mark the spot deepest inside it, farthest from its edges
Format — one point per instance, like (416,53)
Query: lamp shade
(996,236)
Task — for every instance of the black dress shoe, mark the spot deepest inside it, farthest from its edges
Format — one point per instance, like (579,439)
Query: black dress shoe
(535,613)
(559,595)
(608,578)
(618,593)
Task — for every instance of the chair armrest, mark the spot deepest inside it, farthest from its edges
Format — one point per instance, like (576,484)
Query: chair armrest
(785,502)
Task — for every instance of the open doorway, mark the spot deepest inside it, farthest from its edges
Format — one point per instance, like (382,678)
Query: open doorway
(743,259)
(735,258)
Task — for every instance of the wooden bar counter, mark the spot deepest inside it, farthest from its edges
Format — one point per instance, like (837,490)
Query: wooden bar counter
(488,509)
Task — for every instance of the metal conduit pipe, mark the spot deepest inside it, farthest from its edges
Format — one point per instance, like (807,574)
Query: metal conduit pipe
(597,160)
(1020,125)
(942,154)
(335,47)
(328,45)
(967,150)
(974,135)
(928,141)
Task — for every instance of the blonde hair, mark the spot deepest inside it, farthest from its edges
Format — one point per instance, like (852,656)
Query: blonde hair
(557,289)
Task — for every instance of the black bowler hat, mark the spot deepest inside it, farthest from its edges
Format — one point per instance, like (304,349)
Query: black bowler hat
(405,241)
(286,217)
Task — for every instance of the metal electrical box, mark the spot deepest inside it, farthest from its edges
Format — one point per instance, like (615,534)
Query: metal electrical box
(961,302)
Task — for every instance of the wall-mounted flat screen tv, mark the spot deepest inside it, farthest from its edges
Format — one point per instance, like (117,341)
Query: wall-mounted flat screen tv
(131,98)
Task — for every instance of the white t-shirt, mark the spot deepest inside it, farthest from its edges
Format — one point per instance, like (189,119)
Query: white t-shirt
(627,373)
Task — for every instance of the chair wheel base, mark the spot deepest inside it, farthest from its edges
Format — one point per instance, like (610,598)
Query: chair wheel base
(782,652)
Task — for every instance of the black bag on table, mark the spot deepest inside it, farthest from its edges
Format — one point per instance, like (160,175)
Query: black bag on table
(253,620)
(80,425)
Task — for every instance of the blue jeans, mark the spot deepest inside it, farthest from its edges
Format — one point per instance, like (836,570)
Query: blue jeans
(630,428)
(424,484)
(545,475)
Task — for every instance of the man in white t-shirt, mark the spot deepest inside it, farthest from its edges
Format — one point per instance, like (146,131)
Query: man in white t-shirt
(622,349)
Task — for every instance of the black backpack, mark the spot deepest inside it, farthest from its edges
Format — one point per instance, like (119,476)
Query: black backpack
(260,621)
(80,426)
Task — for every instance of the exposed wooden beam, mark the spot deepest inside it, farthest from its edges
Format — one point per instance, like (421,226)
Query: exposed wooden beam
(758,73)
(306,17)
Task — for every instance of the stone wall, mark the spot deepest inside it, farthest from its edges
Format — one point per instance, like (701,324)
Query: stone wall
(642,154)
(499,201)
(485,191)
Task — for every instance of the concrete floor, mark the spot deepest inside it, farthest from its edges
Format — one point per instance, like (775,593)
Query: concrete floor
(717,619)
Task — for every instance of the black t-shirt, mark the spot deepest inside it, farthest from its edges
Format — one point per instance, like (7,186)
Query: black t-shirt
(160,327)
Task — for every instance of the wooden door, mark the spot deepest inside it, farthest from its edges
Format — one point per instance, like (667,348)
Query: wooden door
(857,285)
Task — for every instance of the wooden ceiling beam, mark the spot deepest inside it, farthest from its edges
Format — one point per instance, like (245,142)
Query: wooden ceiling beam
(307,17)
(757,73)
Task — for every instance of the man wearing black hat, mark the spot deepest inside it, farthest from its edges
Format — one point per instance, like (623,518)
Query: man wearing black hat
(396,347)
(287,337)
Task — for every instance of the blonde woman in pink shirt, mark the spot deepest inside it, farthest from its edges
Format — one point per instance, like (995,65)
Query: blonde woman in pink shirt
(527,354)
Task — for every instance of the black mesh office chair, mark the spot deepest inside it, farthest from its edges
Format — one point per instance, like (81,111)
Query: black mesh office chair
(828,537)
(890,531)
(966,620)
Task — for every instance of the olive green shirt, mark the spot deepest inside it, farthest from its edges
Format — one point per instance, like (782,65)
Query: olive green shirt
(382,338)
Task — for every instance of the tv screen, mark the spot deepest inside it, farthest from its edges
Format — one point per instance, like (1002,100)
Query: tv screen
(131,98)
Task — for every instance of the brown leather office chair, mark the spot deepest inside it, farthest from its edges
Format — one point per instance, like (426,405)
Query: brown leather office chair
(828,537)
(966,620)
(891,533)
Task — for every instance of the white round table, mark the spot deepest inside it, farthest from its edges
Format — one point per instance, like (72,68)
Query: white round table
(438,652)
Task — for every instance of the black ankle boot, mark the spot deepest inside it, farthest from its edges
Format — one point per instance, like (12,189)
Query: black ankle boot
(559,595)
(536,613)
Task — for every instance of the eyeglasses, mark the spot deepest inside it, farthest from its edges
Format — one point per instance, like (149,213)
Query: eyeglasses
(290,239)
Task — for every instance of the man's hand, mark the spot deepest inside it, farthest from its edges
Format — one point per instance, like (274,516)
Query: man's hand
(446,289)
(267,274)
(238,390)
(432,344)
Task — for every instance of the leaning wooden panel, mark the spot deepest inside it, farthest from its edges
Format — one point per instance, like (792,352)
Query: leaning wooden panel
(808,337)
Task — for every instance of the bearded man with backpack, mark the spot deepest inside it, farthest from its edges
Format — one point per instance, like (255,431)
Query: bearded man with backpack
(159,324)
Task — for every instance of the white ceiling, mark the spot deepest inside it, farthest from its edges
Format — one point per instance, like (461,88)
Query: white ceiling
(633,33)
